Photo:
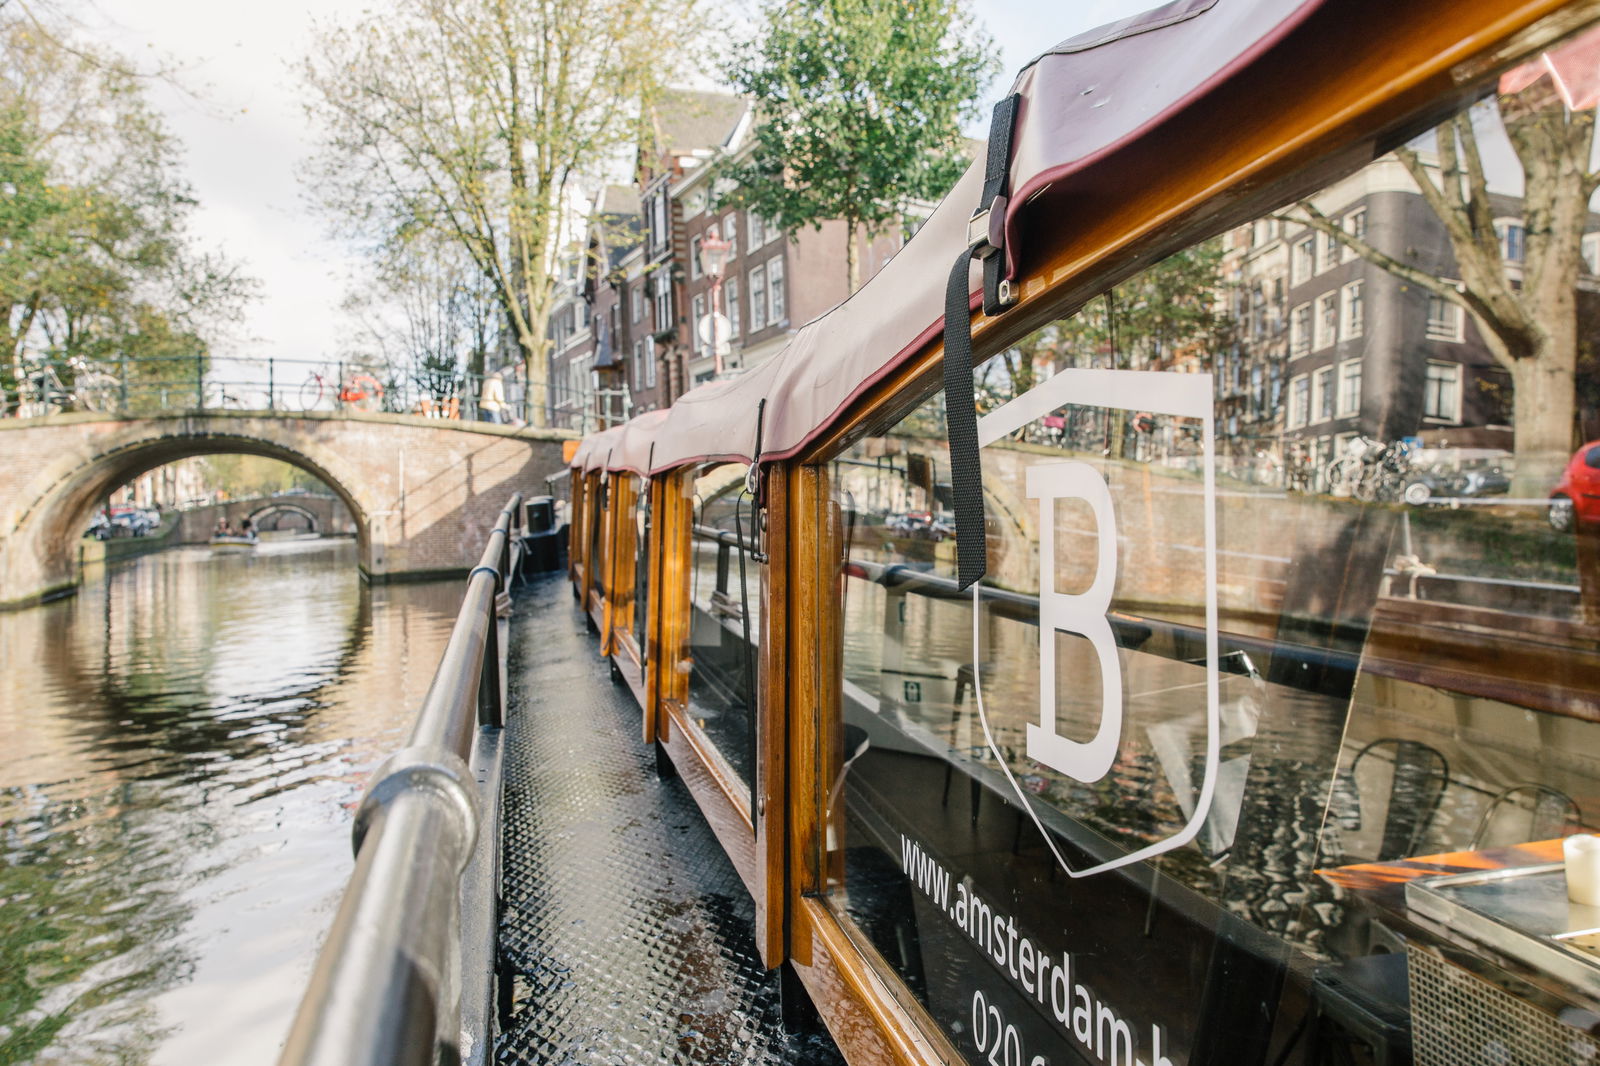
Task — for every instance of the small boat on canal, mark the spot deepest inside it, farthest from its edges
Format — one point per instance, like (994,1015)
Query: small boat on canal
(233,542)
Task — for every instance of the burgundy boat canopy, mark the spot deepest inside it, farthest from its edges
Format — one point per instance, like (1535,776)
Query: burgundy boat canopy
(1079,102)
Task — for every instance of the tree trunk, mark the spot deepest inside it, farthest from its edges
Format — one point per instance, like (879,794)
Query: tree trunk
(852,267)
(1543,400)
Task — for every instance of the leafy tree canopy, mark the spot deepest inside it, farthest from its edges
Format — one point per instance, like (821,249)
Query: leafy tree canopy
(96,262)
(859,105)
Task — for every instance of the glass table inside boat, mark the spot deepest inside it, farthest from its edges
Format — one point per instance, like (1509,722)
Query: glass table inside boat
(1497,964)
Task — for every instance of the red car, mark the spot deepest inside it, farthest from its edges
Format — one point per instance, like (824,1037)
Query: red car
(1575,500)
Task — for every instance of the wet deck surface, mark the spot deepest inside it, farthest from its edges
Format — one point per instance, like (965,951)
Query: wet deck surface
(630,933)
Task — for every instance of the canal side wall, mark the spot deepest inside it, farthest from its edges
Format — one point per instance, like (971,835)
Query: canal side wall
(423,493)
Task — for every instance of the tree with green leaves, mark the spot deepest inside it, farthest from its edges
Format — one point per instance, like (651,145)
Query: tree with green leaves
(96,263)
(859,105)
(474,121)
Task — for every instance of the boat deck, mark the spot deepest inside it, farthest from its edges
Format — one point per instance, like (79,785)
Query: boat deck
(627,929)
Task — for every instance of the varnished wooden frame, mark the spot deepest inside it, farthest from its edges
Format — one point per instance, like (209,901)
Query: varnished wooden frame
(1337,98)
(1320,106)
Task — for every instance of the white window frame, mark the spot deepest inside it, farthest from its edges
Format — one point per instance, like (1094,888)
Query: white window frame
(757,280)
(1322,398)
(1300,329)
(730,302)
(755,230)
(1352,311)
(1302,267)
(696,271)
(1294,418)
(730,232)
(1328,252)
(1355,224)
(777,297)
(1348,403)
(1456,376)
(1503,228)
(650,364)
(1324,332)
(699,306)
(1452,328)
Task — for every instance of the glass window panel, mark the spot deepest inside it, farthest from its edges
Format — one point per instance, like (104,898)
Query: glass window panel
(725,616)
(1123,804)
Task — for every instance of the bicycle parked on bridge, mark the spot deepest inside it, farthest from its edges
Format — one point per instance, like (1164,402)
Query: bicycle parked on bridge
(359,390)
(41,391)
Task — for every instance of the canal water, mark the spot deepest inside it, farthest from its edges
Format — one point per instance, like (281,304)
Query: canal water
(182,746)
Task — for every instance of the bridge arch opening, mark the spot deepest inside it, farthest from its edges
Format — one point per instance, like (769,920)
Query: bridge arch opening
(61,514)
(276,516)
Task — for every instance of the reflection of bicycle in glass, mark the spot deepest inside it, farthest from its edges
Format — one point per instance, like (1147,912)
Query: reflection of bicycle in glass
(1371,469)
(360,390)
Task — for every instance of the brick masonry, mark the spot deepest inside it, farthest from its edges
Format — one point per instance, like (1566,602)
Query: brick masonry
(424,492)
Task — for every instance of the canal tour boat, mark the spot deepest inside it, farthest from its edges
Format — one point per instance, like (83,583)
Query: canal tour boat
(233,542)
(1194,743)
(1190,746)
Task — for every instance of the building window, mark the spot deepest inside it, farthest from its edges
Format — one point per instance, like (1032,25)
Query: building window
(1329,257)
(1354,318)
(757,231)
(699,316)
(663,301)
(1441,392)
(1327,320)
(758,299)
(696,271)
(1349,388)
(1512,240)
(1444,319)
(1355,224)
(649,366)
(1322,393)
(730,232)
(730,297)
(1300,330)
(1305,259)
(775,289)
(1299,401)
(638,364)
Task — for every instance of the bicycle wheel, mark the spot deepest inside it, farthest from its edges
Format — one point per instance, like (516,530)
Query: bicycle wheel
(363,392)
(1343,474)
(96,392)
(311,392)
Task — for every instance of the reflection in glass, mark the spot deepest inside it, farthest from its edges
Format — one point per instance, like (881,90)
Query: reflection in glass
(1405,593)
(725,615)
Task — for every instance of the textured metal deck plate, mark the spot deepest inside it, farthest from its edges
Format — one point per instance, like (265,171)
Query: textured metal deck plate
(629,932)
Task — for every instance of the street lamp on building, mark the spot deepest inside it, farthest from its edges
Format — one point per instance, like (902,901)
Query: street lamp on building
(714,260)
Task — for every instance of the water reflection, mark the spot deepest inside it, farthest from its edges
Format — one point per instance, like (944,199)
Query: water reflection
(181,747)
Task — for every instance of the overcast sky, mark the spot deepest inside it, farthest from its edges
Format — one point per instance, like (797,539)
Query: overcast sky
(244,133)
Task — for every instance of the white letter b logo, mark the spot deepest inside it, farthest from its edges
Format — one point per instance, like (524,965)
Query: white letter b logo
(1083,613)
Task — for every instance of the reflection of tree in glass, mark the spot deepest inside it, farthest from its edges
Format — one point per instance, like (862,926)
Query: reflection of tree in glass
(1528,318)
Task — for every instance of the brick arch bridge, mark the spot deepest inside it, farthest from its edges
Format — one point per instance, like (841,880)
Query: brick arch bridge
(423,492)
(326,514)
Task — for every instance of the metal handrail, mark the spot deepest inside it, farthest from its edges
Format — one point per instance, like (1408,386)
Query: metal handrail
(403,977)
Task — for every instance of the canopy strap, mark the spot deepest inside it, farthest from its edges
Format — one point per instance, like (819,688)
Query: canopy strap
(985,240)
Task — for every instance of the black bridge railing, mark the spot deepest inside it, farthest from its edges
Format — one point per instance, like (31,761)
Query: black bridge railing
(406,975)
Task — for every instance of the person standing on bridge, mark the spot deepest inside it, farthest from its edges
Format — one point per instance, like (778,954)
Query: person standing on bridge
(492,399)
